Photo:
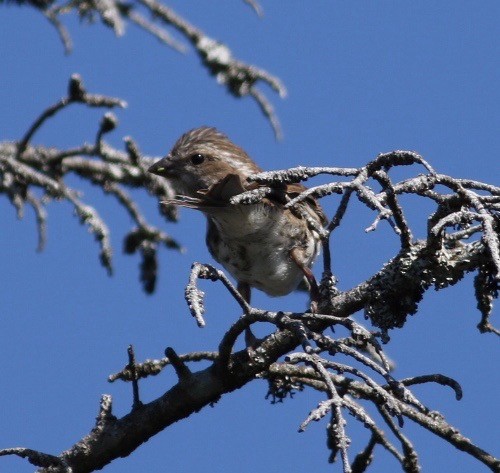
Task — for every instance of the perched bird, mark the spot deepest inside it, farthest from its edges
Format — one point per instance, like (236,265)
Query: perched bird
(263,245)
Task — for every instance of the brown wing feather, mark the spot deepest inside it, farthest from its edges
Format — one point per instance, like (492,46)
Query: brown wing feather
(223,190)
(286,192)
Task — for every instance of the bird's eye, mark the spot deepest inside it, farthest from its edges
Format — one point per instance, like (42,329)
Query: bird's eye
(197,158)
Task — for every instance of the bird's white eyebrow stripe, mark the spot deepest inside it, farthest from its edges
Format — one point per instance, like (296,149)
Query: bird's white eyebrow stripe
(238,165)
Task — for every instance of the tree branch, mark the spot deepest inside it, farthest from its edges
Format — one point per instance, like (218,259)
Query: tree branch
(119,437)
(32,174)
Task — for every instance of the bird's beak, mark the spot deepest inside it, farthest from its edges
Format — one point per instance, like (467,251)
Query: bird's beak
(163,167)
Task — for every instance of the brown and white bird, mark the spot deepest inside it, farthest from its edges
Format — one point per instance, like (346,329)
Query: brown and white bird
(263,245)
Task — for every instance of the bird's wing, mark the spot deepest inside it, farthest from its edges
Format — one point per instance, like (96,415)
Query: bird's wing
(283,193)
(227,187)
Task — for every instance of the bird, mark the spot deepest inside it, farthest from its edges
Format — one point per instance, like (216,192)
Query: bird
(263,245)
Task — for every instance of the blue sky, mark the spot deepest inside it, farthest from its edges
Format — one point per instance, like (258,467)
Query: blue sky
(363,78)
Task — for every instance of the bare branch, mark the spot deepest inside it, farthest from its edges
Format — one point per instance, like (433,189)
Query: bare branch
(410,462)
(340,441)
(41,219)
(77,93)
(135,384)
(157,32)
(255,6)
(239,77)
(61,30)
(154,367)
(24,167)
(194,296)
(38,458)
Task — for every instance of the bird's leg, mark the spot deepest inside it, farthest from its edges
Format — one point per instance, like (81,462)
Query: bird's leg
(309,277)
(245,291)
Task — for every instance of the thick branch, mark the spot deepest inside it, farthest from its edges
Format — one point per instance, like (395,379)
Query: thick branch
(119,437)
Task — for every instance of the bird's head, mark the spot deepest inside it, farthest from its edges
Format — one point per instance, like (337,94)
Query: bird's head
(201,158)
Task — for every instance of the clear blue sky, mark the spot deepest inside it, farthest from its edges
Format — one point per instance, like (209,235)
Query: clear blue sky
(363,78)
